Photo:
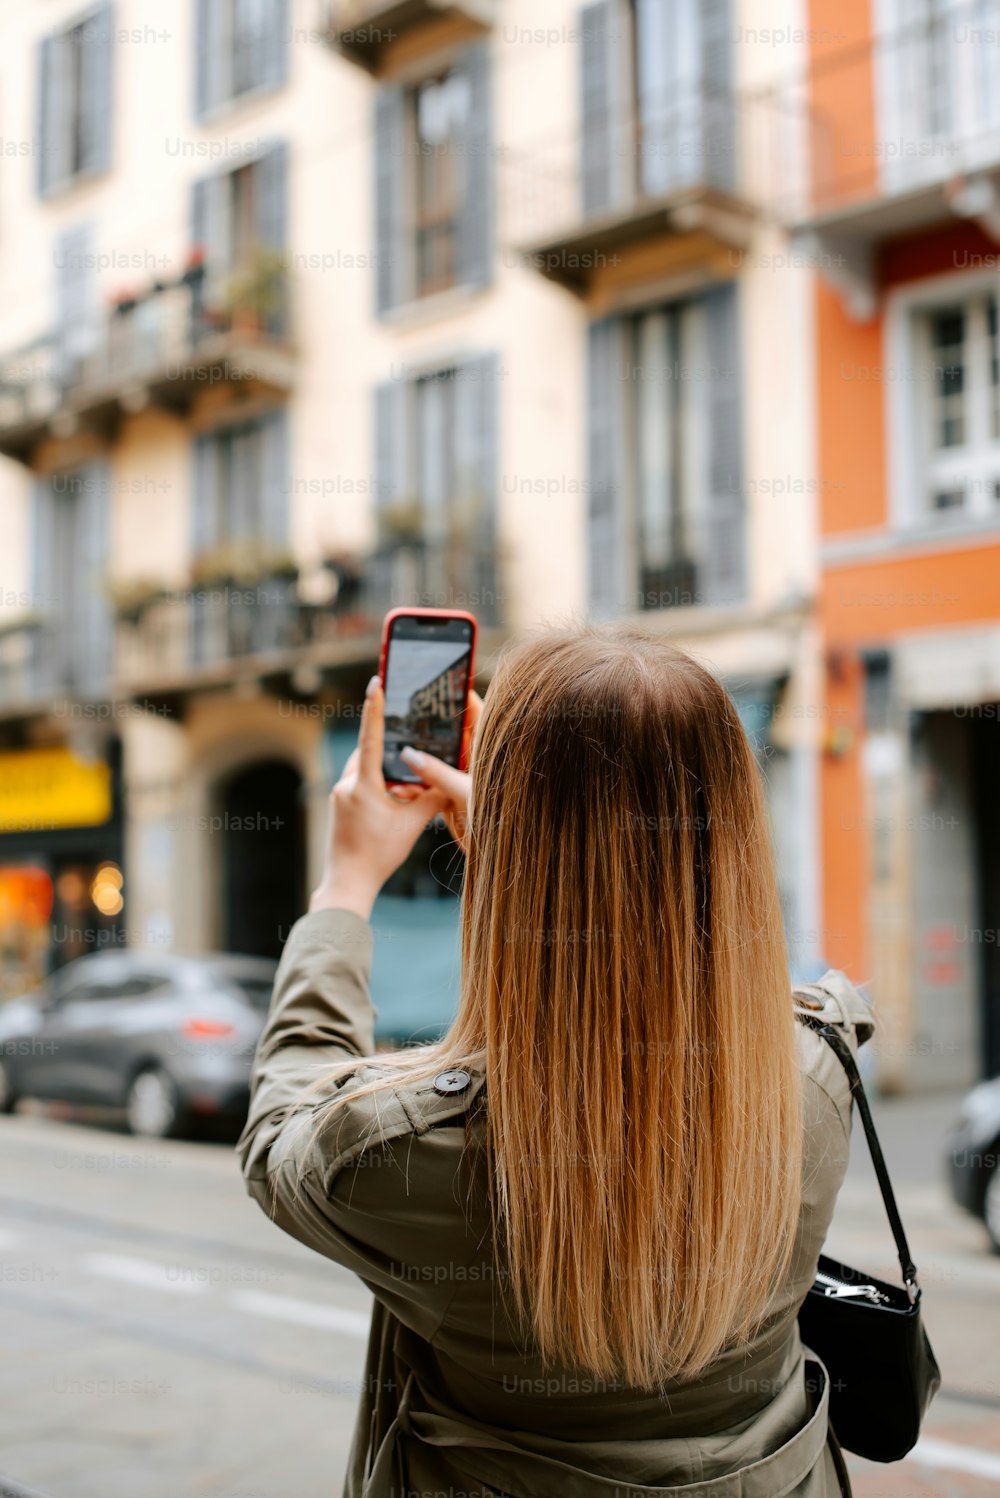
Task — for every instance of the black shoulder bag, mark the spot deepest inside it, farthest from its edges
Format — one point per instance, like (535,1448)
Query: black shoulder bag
(870,1335)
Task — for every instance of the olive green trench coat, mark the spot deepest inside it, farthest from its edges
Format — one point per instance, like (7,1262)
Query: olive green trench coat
(393,1187)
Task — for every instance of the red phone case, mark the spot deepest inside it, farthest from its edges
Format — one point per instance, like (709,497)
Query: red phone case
(417,613)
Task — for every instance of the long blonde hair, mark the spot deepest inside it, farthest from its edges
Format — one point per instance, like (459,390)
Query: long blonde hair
(625,983)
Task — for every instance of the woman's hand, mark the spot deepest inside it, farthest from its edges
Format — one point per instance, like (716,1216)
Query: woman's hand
(372,831)
(454,784)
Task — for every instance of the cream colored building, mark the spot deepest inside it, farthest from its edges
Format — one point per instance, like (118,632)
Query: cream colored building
(313,309)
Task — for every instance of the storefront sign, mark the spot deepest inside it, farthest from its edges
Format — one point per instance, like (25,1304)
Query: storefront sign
(44,788)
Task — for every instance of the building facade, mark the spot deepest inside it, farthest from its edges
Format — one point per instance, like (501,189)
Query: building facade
(327,308)
(902,120)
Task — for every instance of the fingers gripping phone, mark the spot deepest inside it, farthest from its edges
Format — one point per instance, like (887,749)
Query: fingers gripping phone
(426,671)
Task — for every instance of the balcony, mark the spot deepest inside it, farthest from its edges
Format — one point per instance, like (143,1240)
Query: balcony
(160,644)
(897,134)
(364,30)
(422,574)
(161,348)
(651,191)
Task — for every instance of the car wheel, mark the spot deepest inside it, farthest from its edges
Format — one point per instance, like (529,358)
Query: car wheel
(151,1106)
(991,1208)
(8,1097)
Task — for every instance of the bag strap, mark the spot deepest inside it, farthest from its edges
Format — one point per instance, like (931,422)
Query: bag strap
(844,1055)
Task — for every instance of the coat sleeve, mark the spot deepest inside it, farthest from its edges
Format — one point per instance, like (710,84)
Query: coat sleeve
(347,1186)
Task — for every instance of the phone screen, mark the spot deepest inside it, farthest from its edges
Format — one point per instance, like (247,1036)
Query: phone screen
(426,686)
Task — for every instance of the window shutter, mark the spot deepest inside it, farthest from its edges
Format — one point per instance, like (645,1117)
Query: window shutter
(74,308)
(54,98)
(271,212)
(723,545)
(205,527)
(271,206)
(392,468)
(392,487)
(92,644)
(608,585)
(274,475)
(390,197)
(96,89)
(477,460)
(214,63)
(475,214)
(203,65)
(46,101)
(718,142)
(210,230)
(274,63)
(606,147)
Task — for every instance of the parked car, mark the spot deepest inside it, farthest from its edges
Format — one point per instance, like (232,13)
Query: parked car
(973,1156)
(168,1039)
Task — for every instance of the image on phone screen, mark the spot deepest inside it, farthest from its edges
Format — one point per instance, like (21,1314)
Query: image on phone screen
(426,686)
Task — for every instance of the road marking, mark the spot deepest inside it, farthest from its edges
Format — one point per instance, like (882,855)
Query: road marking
(257,1302)
(140,1272)
(302,1312)
(956,1458)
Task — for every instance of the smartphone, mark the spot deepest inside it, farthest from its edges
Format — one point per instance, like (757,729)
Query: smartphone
(426,672)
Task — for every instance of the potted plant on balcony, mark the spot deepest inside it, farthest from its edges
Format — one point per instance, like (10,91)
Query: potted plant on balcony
(254,298)
(131,597)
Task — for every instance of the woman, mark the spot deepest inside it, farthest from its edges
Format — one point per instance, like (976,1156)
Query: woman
(600,1200)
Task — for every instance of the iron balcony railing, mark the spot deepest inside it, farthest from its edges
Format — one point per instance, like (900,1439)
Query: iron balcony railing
(207,633)
(163,345)
(605,180)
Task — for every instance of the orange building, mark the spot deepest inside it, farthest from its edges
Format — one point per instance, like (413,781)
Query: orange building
(902,213)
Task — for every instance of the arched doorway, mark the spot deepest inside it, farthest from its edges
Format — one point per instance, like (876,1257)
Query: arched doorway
(263,856)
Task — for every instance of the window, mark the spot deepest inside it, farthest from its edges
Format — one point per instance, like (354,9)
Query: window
(436,461)
(239,224)
(657,111)
(242,47)
(669,96)
(665,485)
(440,111)
(668,439)
(936,85)
(74,106)
(958,407)
(241,492)
(433,191)
(127,986)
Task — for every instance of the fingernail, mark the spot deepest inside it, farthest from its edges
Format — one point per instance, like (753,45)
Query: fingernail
(412,756)
(373,686)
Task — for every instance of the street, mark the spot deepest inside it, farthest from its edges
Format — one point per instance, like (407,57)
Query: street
(162,1338)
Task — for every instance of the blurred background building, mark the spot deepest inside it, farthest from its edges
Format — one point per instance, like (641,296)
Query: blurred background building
(317,309)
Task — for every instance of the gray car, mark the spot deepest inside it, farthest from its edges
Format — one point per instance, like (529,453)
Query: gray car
(168,1039)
